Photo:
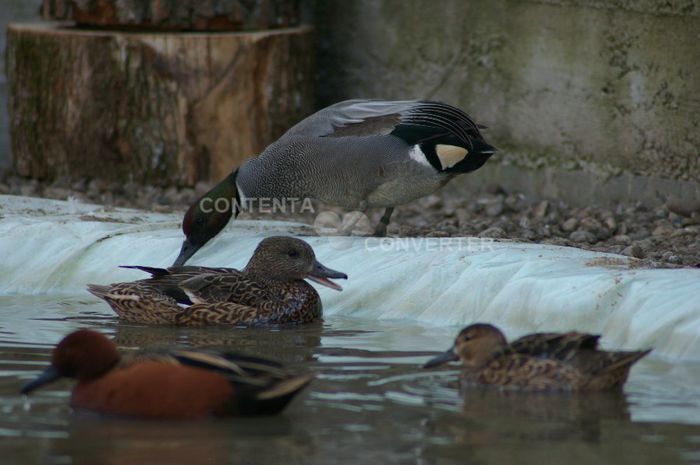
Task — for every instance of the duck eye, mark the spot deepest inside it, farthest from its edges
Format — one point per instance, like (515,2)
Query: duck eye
(293,253)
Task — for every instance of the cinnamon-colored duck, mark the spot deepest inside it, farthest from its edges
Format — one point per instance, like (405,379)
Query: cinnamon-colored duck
(178,384)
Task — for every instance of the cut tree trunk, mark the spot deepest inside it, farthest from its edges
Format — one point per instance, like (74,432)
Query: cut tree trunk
(158,108)
(193,15)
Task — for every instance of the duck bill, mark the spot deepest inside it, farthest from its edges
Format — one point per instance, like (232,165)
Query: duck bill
(186,251)
(447,356)
(320,274)
(49,375)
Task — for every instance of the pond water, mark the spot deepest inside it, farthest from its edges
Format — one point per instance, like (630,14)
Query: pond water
(371,402)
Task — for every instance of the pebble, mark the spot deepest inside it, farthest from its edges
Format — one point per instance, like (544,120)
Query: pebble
(634,250)
(581,235)
(569,225)
(494,232)
(661,236)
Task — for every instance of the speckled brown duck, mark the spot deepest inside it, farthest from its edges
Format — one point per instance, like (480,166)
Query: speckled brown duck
(537,362)
(271,289)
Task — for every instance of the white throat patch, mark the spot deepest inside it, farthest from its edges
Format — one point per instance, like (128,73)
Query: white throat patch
(417,155)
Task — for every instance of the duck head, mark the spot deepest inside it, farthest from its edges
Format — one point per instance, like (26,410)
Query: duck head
(283,258)
(208,216)
(474,346)
(84,355)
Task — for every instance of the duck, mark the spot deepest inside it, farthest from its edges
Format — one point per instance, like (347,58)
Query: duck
(570,361)
(169,385)
(356,154)
(271,289)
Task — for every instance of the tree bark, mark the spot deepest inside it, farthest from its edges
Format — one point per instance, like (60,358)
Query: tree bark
(158,108)
(193,15)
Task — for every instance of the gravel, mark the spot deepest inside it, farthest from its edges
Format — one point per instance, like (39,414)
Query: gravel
(666,236)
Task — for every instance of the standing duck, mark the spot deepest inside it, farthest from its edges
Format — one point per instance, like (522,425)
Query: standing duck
(269,290)
(537,362)
(356,154)
(178,384)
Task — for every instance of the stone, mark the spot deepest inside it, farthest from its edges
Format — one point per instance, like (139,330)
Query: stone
(569,225)
(495,208)
(639,233)
(540,210)
(581,235)
(494,232)
(622,239)
(634,250)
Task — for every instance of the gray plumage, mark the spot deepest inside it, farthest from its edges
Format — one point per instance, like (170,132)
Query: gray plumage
(356,154)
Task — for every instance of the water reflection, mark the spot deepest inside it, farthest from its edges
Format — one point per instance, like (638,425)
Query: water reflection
(371,402)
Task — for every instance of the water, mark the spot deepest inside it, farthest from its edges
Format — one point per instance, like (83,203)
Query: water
(371,402)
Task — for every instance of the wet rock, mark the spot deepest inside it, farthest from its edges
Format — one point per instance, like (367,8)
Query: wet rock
(541,209)
(639,233)
(634,250)
(663,230)
(569,225)
(581,235)
(683,206)
(610,223)
(622,239)
(670,257)
(59,193)
(495,207)
(494,232)
(462,215)
(515,203)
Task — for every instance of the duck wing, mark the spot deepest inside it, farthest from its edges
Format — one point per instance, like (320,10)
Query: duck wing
(413,120)
(234,287)
(526,372)
(261,385)
(559,346)
(167,280)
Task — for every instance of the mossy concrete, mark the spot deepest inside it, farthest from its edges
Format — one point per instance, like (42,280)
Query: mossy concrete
(609,88)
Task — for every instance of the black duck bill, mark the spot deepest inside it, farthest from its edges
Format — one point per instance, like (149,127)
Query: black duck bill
(322,275)
(448,356)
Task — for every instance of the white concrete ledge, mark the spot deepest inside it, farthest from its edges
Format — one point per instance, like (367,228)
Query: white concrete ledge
(51,247)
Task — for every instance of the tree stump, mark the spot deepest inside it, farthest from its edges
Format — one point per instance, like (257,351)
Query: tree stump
(156,108)
(190,15)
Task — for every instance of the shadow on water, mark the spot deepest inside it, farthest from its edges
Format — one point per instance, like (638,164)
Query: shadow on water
(371,402)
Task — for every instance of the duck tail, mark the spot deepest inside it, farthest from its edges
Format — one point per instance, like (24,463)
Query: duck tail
(276,398)
(98,290)
(153,271)
(137,304)
(623,361)
(616,369)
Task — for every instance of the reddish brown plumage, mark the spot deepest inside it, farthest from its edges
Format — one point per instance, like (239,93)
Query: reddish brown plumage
(182,384)
(155,390)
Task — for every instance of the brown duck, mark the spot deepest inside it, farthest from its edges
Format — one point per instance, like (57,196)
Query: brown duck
(537,362)
(174,384)
(269,290)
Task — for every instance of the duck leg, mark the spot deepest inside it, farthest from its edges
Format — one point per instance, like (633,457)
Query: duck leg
(380,230)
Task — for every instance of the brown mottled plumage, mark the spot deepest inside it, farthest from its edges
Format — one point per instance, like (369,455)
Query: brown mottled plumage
(538,362)
(269,290)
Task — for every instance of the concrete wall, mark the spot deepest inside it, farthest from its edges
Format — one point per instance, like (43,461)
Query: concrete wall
(10,11)
(610,88)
